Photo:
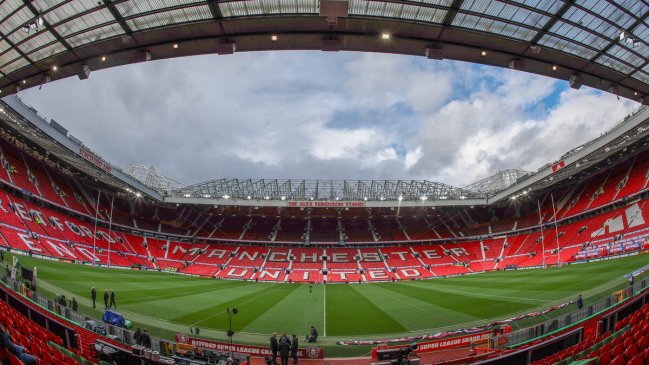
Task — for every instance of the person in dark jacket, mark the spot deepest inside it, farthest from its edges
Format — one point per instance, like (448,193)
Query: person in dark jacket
(580,302)
(313,336)
(93,295)
(112,300)
(274,347)
(145,339)
(294,345)
(75,305)
(106,297)
(284,348)
(137,336)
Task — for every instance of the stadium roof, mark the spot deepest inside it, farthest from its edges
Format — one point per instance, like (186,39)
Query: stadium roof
(603,44)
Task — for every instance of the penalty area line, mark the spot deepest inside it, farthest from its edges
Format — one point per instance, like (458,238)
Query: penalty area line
(324,312)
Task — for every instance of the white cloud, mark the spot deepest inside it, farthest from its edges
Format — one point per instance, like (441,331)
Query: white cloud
(330,116)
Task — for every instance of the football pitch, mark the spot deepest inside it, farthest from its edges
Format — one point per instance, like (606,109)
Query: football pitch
(168,303)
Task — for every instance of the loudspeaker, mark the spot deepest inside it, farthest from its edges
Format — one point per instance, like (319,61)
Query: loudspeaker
(142,56)
(84,73)
(575,81)
(331,45)
(517,64)
(226,47)
(434,53)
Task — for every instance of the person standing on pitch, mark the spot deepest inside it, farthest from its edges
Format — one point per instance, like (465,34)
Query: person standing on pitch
(284,348)
(112,299)
(274,347)
(106,297)
(294,345)
(93,295)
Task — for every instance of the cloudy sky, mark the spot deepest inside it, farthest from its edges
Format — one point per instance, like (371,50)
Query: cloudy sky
(327,116)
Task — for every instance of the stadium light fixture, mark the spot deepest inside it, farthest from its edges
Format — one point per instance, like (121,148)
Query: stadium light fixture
(554,67)
(24,81)
(483,53)
(622,35)
(400,198)
(283,197)
(365,198)
(423,198)
(188,195)
(226,197)
(103,58)
(207,196)
(139,195)
(382,198)
(54,68)
(175,46)
(248,197)
(267,197)
(443,197)
(273,37)
(385,36)
(462,197)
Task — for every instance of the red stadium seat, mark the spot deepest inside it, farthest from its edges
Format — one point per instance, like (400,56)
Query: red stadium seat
(638,360)
(631,351)
(619,360)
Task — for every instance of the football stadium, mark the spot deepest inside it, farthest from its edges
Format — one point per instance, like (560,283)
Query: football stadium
(360,262)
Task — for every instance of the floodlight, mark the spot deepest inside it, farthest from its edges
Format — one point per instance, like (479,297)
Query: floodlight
(226,197)
(138,194)
(554,67)
(24,81)
(385,36)
(175,46)
(273,37)
(382,198)
(54,68)
(400,198)
(483,53)
(424,197)
(188,195)
(103,58)
(283,197)
(249,197)
(207,196)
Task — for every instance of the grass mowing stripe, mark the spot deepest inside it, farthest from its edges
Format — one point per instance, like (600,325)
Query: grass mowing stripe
(467,304)
(250,307)
(495,296)
(293,313)
(198,317)
(346,308)
(412,313)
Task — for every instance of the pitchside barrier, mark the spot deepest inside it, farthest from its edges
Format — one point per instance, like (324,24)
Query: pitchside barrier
(522,336)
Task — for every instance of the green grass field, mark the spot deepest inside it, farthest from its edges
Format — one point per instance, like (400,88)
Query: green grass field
(167,303)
